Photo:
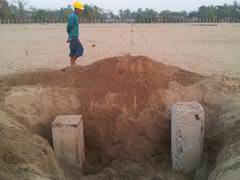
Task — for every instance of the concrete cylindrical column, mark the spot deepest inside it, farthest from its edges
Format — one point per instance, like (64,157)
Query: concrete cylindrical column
(68,140)
(187,136)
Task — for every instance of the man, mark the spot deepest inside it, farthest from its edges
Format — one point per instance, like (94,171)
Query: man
(76,48)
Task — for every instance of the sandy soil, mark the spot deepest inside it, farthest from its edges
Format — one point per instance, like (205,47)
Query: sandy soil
(129,95)
(125,102)
(203,49)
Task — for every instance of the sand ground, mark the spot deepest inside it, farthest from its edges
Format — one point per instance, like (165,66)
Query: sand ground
(203,49)
(136,85)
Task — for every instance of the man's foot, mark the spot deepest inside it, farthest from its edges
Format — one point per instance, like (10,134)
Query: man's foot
(73,63)
(65,69)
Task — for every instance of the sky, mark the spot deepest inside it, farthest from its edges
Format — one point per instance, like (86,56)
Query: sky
(114,5)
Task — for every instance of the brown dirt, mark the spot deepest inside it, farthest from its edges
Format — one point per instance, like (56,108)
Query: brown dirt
(24,155)
(120,95)
(125,102)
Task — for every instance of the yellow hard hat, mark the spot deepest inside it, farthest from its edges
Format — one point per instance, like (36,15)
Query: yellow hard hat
(78,5)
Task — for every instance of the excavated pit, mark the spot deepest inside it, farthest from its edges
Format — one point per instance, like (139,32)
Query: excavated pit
(125,102)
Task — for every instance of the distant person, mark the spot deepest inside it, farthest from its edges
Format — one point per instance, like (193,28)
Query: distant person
(76,48)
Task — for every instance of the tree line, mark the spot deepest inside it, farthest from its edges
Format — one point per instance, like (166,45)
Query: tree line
(18,10)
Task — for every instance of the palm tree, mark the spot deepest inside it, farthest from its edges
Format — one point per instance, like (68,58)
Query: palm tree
(21,7)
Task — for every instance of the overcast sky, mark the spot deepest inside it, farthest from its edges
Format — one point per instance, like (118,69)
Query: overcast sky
(115,5)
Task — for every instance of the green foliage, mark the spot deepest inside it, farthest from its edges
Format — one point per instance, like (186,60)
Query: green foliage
(18,10)
(93,12)
(21,8)
(4,9)
(204,12)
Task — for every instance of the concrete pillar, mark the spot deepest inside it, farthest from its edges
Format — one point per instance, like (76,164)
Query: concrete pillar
(68,140)
(187,136)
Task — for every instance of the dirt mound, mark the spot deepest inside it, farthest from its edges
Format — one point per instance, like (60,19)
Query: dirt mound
(125,102)
(121,99)
(115,73)
(24,155)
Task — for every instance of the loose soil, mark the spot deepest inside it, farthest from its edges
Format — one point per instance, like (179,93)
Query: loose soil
(125,102)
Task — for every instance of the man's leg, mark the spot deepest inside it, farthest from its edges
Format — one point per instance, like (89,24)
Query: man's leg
(78,52)
(73,61)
